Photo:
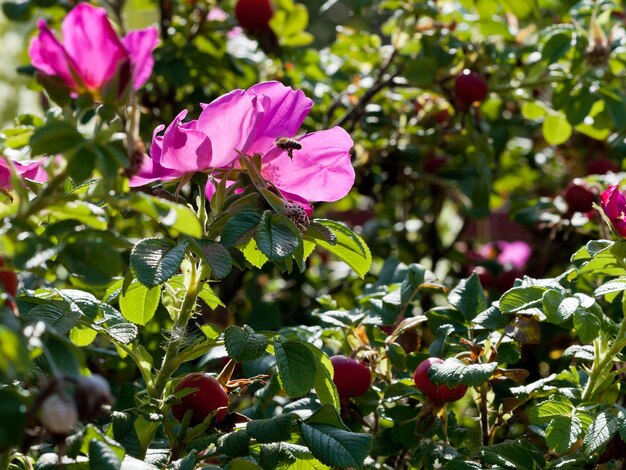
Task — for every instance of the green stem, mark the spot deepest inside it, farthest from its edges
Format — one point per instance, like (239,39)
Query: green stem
(194,286)
(601,362)
(202,215)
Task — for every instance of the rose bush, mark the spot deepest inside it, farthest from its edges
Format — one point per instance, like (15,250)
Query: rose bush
(267,284)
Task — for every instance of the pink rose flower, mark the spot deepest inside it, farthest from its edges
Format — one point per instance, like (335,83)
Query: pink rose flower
(614,206)
(32,170)
(250,121)
(92,57)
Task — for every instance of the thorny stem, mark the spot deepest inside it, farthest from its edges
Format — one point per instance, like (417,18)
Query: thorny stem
(601,362)
(194,286)
(484,414)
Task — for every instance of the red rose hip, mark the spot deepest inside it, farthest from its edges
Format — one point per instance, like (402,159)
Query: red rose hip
(470,87)
(254,15)
(439,394)
(579,197)
(351,377)
(209,396)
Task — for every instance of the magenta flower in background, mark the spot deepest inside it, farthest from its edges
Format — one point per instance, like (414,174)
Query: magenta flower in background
(92,56)
(249,121)
(33,170)
(614,206)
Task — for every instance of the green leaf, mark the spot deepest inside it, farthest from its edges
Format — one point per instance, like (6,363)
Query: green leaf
(336,447)
(295,362)
(239,228)
(548,410)
(454,372)
(243,344)
(139,302)
(62,320)
(155,260)
(277,237)
(84,257)
(518,454)
(469,297)
(587,325)
(556,47)
(217,257)
(167,213)
(17,11)
(55,137)
(86,213)
(273,429)
(600,432)
(235,444)
(556,129)
(615,285)
(521,298)
(324,385)
(102,457)
(349,247)
(253,255)
(562,433)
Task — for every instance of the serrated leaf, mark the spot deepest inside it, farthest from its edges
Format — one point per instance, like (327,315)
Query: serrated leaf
(274,429)
(155,260)
(243,344)
(349,247)
(295,362)
(324,385)
(518,454)
(587,325)
(521,298)
(562,433)
(62,320)
(548,410)
(102,457)
(139,303)
(217,257)
(277,237)
(469,297)
(239,228)
(336,447)
(454,372)
(616,285)
(235,444)
(600,432)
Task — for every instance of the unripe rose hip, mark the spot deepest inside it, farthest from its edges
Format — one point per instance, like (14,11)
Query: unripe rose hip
(470,87)
(58,414)
(209,396)
(351,377)
(439,394)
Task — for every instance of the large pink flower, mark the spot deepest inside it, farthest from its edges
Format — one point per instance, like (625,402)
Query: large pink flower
(614,206)
(30,170)
(92,55)
(249,122)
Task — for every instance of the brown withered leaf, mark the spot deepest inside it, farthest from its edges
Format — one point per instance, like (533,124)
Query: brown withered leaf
(514,374)
(524,330)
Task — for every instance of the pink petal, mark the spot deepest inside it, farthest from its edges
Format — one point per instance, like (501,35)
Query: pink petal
(48,55)
(516,254)
(230,123)
(284,112)
(613,202)
(150,172)
(5,174)
(140,44)
(93,44)
(320,171)
(184,148)
(34,170)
